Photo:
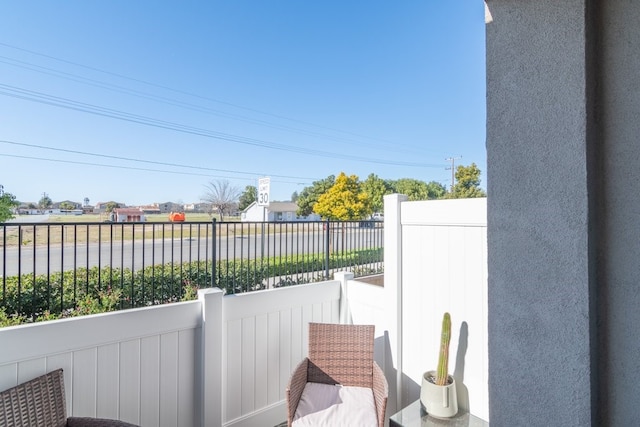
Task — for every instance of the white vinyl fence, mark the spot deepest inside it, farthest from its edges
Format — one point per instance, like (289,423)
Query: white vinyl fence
(436,261)
(225,360)
(135,365)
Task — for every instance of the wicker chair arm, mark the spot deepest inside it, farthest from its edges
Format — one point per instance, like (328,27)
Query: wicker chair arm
(295,387)
(380,393)
(96,422)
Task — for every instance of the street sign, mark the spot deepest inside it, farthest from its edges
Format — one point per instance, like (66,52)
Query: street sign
(263,191)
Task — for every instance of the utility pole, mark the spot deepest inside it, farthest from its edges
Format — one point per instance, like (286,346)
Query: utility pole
(453,169)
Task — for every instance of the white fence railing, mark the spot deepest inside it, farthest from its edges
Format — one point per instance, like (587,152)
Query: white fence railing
(221,360)
(266,337)
(135,365)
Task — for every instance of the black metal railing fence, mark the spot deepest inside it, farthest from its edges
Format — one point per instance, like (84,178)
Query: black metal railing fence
(50,268)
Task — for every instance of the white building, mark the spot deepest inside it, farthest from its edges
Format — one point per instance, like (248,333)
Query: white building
(127,215)
(276,211)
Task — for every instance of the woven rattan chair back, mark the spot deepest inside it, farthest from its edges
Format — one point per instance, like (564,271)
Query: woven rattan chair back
(39,402)
(341,354)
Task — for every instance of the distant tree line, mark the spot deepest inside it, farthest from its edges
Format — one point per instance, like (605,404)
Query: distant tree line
(347,198)
(335,198)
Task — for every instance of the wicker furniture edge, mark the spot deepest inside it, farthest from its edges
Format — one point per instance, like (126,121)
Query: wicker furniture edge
(41,402)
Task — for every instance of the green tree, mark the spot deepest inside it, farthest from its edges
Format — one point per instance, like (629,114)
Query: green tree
(7,204)
(309,195)
(435,190)
(67,205)
(467,184)
(249,196)
(110,206)
(45,202)
(414,189)
(344,201)
(419,190)
(376,188)
(295,196)
(222,196)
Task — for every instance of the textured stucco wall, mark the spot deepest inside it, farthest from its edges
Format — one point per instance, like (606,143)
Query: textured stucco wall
(619,285)
(538,214)
(563,123)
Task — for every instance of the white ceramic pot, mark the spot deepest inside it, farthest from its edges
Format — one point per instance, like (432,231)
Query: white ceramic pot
(440,401)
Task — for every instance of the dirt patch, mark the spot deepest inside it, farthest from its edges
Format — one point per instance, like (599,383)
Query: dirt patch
(376,279)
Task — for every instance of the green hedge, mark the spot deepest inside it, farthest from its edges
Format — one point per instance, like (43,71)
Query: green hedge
(86,291)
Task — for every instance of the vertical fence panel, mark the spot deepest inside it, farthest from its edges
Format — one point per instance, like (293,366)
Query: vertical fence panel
(169,379)
(129,393)
(233,356)
(84,379)
(188,395)
(107,381)
(248,362)
(261,387)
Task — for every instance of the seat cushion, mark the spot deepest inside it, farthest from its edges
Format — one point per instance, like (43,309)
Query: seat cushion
(334,405)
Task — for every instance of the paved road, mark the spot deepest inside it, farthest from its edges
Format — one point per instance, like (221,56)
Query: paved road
(138,254)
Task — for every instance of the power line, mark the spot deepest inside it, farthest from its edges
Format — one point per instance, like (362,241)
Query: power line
(133,168)
(47,99)
(107,156)
(394,144)
(174,102)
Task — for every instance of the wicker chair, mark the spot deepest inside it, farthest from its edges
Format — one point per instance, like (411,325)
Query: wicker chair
(338,355)
(41,403)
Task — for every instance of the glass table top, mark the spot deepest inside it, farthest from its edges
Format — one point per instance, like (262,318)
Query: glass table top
(414,415)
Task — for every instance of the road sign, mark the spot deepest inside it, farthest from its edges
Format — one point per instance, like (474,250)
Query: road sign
(263,191)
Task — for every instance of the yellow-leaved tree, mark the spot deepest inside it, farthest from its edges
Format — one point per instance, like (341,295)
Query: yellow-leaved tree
(344,201)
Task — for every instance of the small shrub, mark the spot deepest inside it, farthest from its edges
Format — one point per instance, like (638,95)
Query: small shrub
(10,320)
(96,290)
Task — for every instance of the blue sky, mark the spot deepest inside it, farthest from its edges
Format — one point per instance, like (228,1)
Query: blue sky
(148,101)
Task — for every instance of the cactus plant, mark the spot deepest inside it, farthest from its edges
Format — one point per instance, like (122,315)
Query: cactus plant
(442,374)
(438,391)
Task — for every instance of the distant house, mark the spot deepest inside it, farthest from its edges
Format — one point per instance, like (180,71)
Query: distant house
(27,209)
(127,215)
(74,205)
(167,207)
(150,209)
(101,207)
(70,208)
(276,211)
(197,207)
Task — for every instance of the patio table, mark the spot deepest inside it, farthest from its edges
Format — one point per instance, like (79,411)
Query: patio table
(414,415)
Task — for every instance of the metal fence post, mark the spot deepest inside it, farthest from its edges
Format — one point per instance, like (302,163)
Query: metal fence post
(327,248)
(214,254)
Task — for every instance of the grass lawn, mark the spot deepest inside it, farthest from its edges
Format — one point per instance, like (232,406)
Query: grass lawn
(92,228)
(190,217)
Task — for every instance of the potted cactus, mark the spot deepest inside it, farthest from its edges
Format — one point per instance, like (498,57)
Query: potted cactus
(438,391)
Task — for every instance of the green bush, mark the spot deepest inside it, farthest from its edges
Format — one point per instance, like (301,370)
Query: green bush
(87,291)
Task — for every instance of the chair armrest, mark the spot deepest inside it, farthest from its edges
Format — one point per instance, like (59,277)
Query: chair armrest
(380,393)
(96,422)
(295,387)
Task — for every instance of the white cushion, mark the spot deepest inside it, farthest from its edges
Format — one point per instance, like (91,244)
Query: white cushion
(334,405)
